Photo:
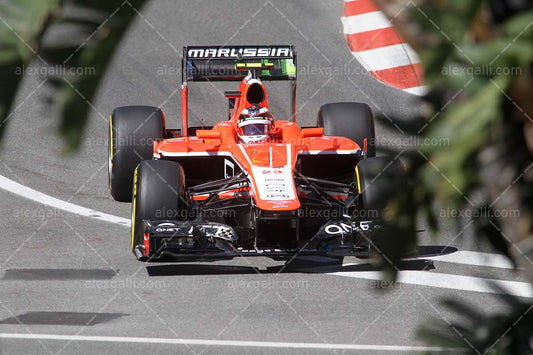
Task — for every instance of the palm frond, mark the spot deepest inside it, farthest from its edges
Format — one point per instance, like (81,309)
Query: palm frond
(22,25)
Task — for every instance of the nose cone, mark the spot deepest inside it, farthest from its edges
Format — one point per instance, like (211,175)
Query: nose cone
(271,168)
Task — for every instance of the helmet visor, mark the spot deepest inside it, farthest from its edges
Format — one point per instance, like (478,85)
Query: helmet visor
(255,129)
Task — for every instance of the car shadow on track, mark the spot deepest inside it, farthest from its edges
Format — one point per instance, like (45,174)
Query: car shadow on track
(435,250)
(301,265)
(199,269)
(83,319)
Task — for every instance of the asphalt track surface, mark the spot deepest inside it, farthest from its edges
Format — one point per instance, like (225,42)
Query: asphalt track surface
(70,284)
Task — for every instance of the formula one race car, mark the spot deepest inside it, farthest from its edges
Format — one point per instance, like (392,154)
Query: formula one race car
(252,184)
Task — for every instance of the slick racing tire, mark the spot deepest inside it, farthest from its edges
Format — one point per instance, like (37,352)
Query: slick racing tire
(132,131)
(377,180)
(352,120)
(158,193)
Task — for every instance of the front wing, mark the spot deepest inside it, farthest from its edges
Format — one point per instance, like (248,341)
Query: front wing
(167,240)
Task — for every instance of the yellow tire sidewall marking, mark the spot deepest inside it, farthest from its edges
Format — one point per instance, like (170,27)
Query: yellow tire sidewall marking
(358,180)
(133,208)
(111,150)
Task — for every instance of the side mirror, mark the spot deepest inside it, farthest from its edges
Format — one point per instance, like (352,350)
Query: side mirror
(312,132)
(207,134)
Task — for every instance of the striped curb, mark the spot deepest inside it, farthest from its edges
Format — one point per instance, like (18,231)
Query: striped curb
(375,44)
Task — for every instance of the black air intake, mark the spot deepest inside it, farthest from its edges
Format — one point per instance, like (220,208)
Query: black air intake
(255,94)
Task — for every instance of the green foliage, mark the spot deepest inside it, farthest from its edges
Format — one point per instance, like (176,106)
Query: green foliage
(33,28)
(466,127)
(473,107)
(479,333)
(478,64)
(22,25)
(79,91)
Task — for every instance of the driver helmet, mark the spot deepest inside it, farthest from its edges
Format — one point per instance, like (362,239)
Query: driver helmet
(255,123)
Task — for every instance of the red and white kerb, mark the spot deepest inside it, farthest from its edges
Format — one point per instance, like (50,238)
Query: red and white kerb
(379,48)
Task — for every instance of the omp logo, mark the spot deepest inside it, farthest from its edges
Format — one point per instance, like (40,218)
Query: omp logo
(251,52)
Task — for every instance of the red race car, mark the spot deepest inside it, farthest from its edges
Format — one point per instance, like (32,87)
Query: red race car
(254,184)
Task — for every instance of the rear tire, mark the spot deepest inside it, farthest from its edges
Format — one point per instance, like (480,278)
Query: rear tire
(158,193)
(132,131)
(352,120)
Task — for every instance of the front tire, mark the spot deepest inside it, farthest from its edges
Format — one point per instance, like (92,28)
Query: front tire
(158,193)
(132,131)
(378,180)
(353,120)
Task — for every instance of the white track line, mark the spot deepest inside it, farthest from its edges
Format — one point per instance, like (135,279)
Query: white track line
(214,342)
(472,258)
(455,282)
(29,193)
(464,257)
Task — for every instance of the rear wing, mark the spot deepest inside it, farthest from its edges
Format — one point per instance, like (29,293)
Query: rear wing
(232,63)
(225,63)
